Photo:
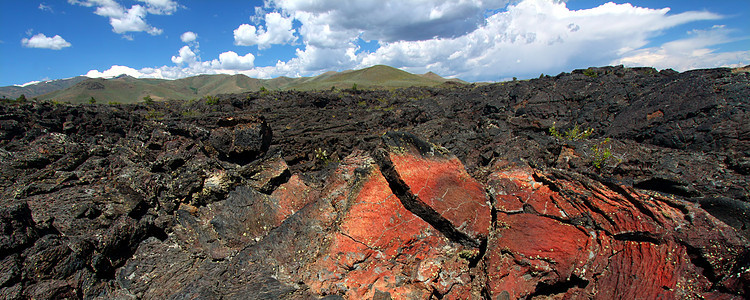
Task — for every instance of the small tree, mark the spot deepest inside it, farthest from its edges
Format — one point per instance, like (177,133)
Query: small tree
(264,91)
(21,98)
(148,100)
(92,100)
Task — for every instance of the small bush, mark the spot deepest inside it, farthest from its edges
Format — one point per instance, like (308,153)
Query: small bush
(148,100)
(573,134)
(153,114)
(590,73)
(322,158)
(601,153)
(263,91)
(190,113)
(211,100)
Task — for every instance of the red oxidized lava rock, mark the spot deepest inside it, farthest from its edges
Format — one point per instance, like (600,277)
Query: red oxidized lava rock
(555,234)
(566,235)
(436,183)
(381,248)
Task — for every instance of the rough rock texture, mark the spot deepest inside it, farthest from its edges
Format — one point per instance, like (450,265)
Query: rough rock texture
(343,194)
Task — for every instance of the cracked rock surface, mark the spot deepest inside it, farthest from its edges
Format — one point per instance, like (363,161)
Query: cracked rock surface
(457,192)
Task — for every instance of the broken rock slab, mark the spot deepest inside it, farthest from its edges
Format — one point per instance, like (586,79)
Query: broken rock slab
(433,183)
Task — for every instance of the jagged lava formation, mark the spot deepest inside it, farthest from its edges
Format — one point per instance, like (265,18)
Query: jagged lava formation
(453,192)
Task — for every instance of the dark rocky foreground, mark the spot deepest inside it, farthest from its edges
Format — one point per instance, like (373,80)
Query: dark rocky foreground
(454,192)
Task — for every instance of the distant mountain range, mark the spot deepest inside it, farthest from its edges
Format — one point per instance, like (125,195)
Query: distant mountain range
(39,88)
(127,89)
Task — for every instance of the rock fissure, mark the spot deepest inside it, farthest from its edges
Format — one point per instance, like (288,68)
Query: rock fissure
(415,205)
(635,202)
(559,287)
(638,236)
(357,241)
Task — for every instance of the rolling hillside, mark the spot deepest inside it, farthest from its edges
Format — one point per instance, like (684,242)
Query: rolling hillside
(32,90)
(126,89)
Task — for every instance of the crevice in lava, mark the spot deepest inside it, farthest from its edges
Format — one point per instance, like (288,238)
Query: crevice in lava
(584,201)
(415,205)
(699,260)
(637,203)
(638,236)
(560,287)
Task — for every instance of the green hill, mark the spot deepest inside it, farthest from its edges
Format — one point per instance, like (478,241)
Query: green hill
(126,89)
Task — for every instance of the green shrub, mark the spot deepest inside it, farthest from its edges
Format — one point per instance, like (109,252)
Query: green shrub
(92,100)
(190,113)
(263,91)
(601,153)
(153,114)
(590,73)
(573,134)
(322,157)
(148,100)
(211,100)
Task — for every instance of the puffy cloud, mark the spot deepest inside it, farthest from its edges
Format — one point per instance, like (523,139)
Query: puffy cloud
(331,24)
(278,30)
(470,39)
(532,37)
(231,61)
(42,41)
(386,20)
(115,71)
(188,37)
(690,53)
(133,19)
(188,63)
(130,20)
(186,56)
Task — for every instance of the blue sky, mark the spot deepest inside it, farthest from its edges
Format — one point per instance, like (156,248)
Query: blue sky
(475,40)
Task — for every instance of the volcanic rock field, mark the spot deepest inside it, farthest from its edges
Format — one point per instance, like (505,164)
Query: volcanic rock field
(605,183)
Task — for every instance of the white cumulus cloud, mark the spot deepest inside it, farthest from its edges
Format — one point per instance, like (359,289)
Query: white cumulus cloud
(694,52)
(132,19)
(188,37)
(115,71)
(386,20)
(278,30)
(475,40)
(532,37)
(232,61)
(42,41)
(186,56)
